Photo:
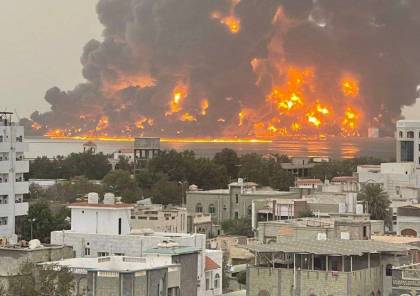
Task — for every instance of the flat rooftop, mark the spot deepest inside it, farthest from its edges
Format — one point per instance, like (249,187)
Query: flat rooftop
(330,247)
(396,239)
(113,263)
(100,205)
(245,192)
(172,250)
(19,248)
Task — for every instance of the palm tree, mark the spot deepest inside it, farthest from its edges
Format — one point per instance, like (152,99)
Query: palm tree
(377,201)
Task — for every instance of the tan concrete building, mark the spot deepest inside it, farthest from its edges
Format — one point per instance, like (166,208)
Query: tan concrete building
(159,218)
(408,220)
(13,256)
(324,267)
(232,203)
(350,228)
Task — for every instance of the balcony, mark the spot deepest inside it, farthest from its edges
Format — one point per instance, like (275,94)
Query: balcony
(4,166)
(21,166)
(5,188)
(21,209)
(21,187)
(4,146)
(19,146)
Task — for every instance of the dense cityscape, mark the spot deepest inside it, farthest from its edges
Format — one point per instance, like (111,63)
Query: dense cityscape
(172,223)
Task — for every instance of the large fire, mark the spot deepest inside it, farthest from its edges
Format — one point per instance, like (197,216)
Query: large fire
(291,100)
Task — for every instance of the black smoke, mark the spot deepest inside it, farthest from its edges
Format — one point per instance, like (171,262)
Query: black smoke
(176,41)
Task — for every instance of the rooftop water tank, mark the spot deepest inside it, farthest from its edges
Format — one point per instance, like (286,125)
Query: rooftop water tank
(93,198)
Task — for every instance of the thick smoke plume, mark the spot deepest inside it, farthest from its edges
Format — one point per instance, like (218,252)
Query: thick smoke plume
(242,68)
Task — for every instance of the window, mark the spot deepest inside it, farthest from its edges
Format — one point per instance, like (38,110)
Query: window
(216,281)
(237,198)
(364,231)
(142,218)
(236,215)
(153,218)
(212,209)
(3,199)
(249,212)
(87,251)
(207,283)
(199,208)
(119,254)
(3,220)
(103,254)
(1,138)
(410,135)
(401,134)
(133,217)
(19,139)
(119,225)
(407,151)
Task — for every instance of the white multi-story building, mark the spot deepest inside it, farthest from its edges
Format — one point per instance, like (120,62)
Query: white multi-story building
(400,180)
(408,141)
(103,229)
(12,183)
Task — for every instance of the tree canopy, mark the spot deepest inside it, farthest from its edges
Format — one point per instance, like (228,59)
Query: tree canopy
(377,202)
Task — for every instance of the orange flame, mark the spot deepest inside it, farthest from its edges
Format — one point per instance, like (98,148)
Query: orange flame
(350,86)
(178,95)
(103,123)
(188,117)
(204,106)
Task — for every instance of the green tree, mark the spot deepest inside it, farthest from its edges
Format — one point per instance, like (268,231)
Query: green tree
(166,192)
(254,168)
(121,183)
(92,166)
(207,174)
(36,191)
(377,202)
(76,187)
(124,164)
(230,160)
(43,221)
(238,227)
(281,179)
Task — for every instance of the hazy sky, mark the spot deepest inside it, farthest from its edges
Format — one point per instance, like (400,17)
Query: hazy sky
(41,44)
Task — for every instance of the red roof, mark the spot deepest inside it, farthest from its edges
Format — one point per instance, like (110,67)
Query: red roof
(210,264)
(308,181)
(100,205)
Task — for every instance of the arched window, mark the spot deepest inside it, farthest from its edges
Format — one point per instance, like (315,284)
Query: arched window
(409,232)
(401,134)
(410,135)
(212,209)
(388,270)
(216,281)
(199,208)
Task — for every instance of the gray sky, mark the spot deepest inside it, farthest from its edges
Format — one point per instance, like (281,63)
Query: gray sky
(41,45)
